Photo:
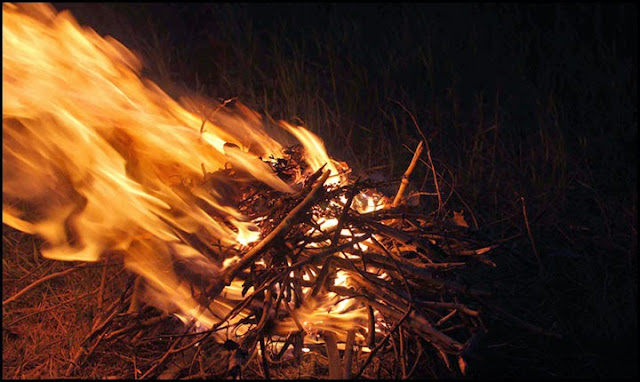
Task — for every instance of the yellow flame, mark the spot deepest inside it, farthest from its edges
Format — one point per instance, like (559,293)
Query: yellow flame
(318,314)
(100,158)
(317,154)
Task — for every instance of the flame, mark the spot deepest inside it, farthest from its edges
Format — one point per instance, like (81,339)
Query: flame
(97,158)
(317,154)
(320,314)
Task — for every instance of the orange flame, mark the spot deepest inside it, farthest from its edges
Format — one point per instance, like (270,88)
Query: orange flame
(98,158)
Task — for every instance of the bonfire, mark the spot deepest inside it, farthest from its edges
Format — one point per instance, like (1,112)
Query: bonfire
(248,247)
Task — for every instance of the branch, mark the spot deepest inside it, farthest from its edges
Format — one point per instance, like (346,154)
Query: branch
(40,281)
(289,220)
(407,174)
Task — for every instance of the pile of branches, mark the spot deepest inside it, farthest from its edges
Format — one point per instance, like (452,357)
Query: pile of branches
(405,279)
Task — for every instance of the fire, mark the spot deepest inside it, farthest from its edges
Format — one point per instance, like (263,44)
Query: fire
(97,158)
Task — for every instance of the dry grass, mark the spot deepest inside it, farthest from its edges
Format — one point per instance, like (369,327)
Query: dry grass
(52,331)
(43,328)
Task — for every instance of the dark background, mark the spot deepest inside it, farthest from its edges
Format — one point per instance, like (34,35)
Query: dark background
(538,101)
(437,60)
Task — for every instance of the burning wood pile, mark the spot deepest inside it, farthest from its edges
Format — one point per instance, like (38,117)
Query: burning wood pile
(266,253)
(339,270)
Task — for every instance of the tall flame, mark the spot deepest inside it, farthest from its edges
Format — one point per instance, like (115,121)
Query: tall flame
(98,158)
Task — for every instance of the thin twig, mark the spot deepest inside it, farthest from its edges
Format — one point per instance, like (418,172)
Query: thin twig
(40,281)
(150,322)
(103,281)
(520,322)
(381,343)
(335,367)
(294,316)
(395,263)
(135,302)
(343,215)
(403,351)
(348,353)
(407,174)
(25,316)
(415,364)
(250,256)
(426,142)
(171,350)
(265,362)
(371,327)
(541,270)
(98,327)
(416,321)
